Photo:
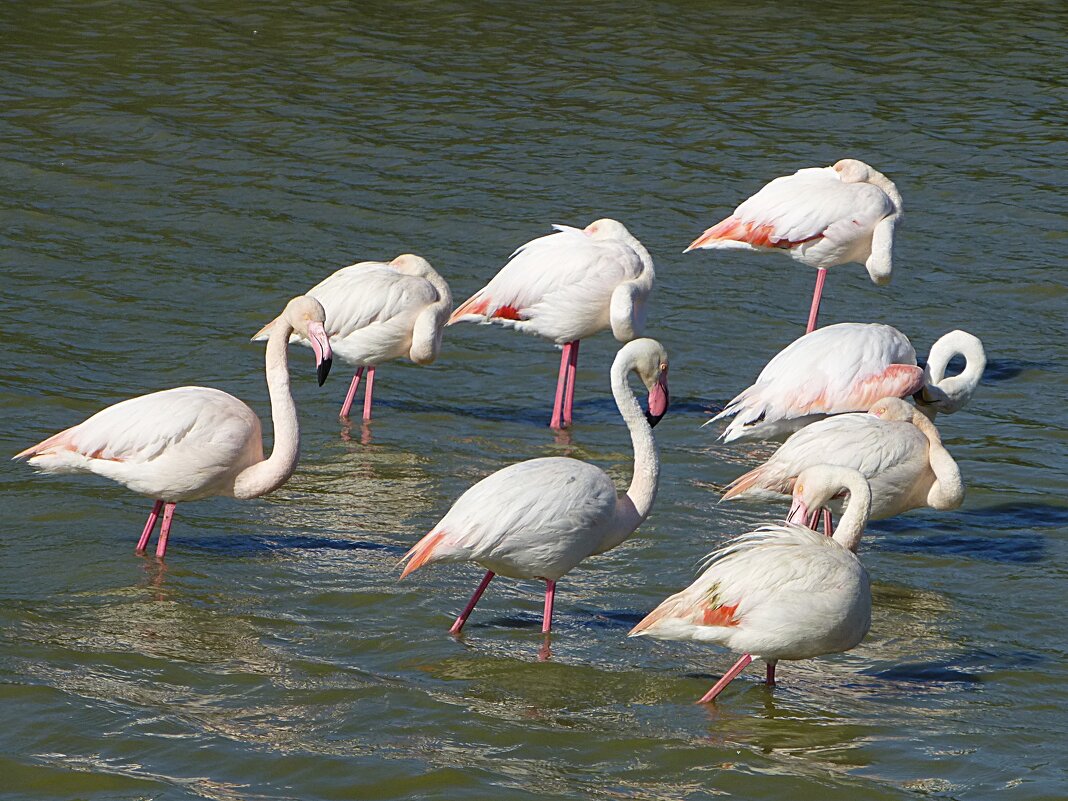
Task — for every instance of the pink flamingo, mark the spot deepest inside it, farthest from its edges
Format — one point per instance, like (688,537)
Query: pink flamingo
(823,217)
(565,287)
(541,518)
(189,443)
(377,311)
(846,368)
(782,591)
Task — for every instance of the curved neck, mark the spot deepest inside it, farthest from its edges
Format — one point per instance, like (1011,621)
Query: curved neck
(429,325)
(950,394)
(271,473)
(947,491)
(881,261)
(855,517)
(633,507)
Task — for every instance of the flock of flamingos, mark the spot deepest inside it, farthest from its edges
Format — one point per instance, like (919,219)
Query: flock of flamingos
(855,448)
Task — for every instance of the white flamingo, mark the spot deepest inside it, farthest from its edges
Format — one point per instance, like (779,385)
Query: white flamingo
(821,216)
(540,518)
(894,446)
(377,311)
(189,443)
(846,368)
(782,591)
(568,286)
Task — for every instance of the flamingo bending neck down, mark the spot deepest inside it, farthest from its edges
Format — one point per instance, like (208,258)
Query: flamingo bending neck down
(377,311)
(847,367)
(565,287)
(894,446)
(540,518)
(822,217)
(189,443)
(782,591)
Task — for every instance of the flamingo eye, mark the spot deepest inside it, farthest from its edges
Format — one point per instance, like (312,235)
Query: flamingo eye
(798,490)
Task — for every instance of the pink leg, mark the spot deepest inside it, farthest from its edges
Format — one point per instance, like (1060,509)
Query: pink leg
(459,624)
(368,392)
(165,529)
(569,391)
(813,313)
(828,528)
(558,404)
(728,677)
(770,680)
(550,596)
(149,526)
(355,385)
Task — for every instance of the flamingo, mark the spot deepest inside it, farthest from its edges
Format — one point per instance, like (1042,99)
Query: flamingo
(782,591)
(189,443)
(377,311)
(540,518)
(565,287)
(846,368)
(893,445)
(823,217)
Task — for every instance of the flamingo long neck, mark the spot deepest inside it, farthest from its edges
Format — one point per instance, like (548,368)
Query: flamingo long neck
(952,393)
(633,507)
(426,333)
(271,473)
(881,261)
(627,309)
(858,507)
(947,491)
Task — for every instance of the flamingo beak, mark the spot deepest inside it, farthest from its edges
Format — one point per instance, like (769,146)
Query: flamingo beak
(659,398)
(798,513)
(320,344)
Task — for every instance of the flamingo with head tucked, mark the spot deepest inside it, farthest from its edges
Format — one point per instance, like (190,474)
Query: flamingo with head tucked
(846,368)
(822,217)
(782,591)
(565,287)
(377,311)
(540,518)
(190,443)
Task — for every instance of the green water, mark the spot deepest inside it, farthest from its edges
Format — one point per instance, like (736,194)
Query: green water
(171,173)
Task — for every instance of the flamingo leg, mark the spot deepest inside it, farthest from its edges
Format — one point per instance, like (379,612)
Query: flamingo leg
(459,624)
(550,596)
(569,390)
(558,404)
(368,392)
(150,525)
(828,528)
(351,395)
(817,293)
(165,529)
(770,680)
(728,677)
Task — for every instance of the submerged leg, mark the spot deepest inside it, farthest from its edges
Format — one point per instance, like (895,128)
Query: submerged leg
(368,392)
(351,393)
(550,596)
(813,313)
(728,677)
(828,528)
(150,525)
(558,404)
(569,391)
(770,680)
(459,624)
(165,529)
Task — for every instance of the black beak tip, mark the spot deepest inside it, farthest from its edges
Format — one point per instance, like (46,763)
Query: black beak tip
(322,371)
(653,419)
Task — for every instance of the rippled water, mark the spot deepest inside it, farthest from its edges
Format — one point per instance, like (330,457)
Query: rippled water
(173,172)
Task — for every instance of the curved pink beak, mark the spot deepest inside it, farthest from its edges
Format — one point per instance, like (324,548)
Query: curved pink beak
(320,344)
(798,513)
(659,398)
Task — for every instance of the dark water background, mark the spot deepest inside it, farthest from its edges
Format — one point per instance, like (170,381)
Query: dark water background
(170,173)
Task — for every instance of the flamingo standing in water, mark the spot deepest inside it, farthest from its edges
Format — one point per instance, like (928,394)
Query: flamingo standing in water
(189,443)
(846,368)
(823,217)
(541,518)
(782,591)
(377,311)
(893,445)
(565,287)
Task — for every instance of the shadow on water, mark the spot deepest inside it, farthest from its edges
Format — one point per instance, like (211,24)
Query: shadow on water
(966,668)
(1008,536)
(997,370)
(293,542)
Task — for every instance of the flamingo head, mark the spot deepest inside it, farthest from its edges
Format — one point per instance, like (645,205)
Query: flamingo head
(308,317)
(649,360)
(817,485)
(893,410)
(410,264)
(852,171)
(607,228)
